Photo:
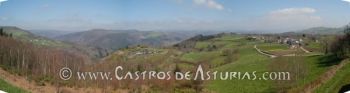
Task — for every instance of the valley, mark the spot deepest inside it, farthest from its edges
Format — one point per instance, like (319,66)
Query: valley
(174,46)
(301,55)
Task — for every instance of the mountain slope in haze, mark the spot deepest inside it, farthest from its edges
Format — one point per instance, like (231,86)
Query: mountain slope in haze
(111,40)
(322,31)
(50,33)
(26,36)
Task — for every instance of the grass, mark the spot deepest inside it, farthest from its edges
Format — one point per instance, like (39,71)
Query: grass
(309,71)
(248,61)
(4,86)
(272,47)
(200,56)
(340,79)
(217,61)
(191,57)
(229,38)
(200,45)
(314,45)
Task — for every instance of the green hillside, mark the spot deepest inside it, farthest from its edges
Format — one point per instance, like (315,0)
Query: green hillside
(112,40)
(340,79)
(26,36)
(323,31)
(304,67)
(4,86)
(235,53)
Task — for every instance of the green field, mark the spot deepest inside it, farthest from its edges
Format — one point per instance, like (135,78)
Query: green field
(340,79)
(248,61)
(4,86)
(303,69)
(272,47)
(199,56)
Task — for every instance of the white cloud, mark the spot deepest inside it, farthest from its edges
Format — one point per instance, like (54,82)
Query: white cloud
(293,11)
(346,1)
(1,1)
(290,19)
(209,3)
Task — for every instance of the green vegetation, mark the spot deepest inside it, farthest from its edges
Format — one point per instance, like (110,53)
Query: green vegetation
(154,35)
(200,45)
(198,56)
(26,36)
(272,47)
(222,53)
(310,71)
(339,50)
(229,38)
(4,86)
(340,79)
(303,69)
(314,45)
(248,61)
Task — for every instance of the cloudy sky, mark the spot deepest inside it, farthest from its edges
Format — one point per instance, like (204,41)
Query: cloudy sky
(264,15)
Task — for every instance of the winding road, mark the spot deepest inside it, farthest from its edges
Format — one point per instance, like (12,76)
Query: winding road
(264,53)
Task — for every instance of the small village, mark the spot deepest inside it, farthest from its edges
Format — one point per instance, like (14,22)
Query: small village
(292,41)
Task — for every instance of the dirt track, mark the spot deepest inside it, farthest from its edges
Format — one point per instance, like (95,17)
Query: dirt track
(263,53)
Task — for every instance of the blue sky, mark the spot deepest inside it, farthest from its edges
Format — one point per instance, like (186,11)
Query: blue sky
(266,15)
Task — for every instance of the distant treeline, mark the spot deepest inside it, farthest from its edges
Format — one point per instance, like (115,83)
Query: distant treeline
(2,33)
(191,43)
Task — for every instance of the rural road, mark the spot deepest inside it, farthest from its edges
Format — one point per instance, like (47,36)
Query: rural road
(264,53)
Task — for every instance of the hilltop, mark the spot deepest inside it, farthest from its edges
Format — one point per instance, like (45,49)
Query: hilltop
(322,31)
(27,36)
(112,40)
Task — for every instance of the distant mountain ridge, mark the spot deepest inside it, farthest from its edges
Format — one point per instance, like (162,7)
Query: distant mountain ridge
(322,31)
(111,40)
(50,33)
(27,36)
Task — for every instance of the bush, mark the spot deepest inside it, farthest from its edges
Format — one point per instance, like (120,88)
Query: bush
(341,46)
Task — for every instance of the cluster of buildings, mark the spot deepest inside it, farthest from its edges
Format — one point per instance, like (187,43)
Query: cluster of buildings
(292,42)
(143,51)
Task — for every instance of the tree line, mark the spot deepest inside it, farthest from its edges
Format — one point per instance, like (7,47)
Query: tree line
(2,33)
(35,62)
(341,46)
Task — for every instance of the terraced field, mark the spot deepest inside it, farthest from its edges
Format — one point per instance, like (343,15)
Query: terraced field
(303,69)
